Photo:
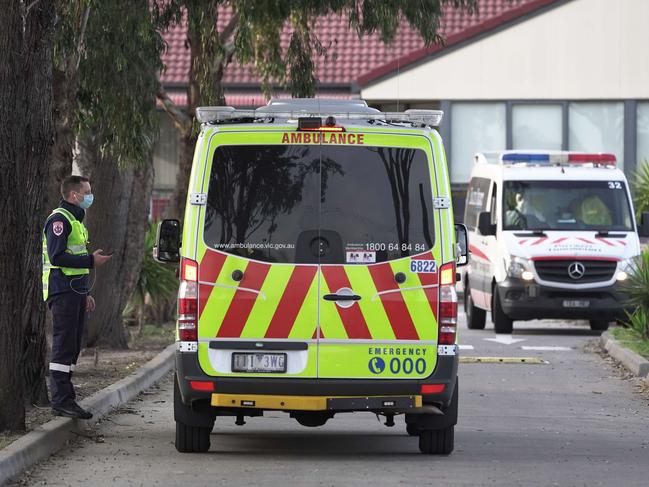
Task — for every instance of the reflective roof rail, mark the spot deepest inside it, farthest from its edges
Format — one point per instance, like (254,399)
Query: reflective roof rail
(292,109)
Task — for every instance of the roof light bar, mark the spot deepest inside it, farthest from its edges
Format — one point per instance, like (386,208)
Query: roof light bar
(223,114)
(540,158)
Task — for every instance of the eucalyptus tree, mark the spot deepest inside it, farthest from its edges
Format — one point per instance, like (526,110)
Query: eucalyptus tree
(252,34)
(26,132)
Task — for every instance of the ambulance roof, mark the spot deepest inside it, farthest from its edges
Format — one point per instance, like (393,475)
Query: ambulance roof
(547,165)
(291,110)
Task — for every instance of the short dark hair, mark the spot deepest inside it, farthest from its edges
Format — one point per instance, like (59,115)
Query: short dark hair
(71,183)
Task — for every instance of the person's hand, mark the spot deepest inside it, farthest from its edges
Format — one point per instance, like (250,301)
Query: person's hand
(99,258)
(90,303)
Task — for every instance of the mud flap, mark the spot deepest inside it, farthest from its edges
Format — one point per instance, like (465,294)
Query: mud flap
(437,421)
(191,415)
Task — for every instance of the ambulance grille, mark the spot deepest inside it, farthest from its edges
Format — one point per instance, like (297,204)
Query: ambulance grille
(558,270)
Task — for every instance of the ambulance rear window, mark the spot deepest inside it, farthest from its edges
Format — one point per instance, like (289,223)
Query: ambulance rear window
(319,204)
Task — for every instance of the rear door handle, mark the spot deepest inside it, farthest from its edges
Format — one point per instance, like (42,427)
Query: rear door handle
(342,297)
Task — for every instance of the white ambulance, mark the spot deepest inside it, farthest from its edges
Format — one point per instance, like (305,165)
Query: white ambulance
(552,235)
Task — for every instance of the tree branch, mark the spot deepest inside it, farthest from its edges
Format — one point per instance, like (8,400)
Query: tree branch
(182,121)
(82,36)
(229,29)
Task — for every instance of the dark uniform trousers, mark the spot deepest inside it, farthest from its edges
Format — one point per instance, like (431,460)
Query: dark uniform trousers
(68,314)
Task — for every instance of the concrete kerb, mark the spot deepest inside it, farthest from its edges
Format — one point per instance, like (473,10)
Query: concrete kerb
(52,436)
(634,362)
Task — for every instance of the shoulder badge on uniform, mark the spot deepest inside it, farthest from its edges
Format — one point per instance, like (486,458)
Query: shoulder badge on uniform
(57,228)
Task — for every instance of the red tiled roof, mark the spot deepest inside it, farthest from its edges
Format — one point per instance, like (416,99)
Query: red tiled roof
(350,59)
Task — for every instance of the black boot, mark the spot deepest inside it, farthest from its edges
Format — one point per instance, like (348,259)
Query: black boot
(72,410)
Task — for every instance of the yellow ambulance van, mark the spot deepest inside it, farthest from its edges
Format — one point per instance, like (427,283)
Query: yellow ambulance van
(317,270)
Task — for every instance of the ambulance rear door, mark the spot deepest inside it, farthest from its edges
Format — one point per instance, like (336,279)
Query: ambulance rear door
(380,254)
(258,281)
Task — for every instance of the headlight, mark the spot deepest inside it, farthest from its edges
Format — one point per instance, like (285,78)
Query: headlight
(624,268)
(520,268)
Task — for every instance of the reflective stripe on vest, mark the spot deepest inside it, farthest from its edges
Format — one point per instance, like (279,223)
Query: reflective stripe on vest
(77,241)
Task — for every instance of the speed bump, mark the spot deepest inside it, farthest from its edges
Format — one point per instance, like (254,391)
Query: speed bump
(503,360)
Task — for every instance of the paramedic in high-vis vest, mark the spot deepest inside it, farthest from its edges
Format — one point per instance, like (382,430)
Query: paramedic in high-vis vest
(66,288)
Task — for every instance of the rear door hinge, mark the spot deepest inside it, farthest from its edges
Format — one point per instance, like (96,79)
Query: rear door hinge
(199,199)
(441,203)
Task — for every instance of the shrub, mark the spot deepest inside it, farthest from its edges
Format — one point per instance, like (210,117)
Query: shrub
(156,283)
(637,290)
(641,188)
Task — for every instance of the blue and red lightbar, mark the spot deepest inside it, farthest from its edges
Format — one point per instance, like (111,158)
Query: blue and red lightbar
(558,158)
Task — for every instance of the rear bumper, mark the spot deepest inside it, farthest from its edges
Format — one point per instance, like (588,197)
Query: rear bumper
(188,369)
(528,301)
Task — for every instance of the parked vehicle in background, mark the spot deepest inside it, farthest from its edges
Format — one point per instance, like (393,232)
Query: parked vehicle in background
(317,269)
(552,235)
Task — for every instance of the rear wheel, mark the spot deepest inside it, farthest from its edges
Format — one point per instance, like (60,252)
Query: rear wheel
(502,322)
(598,325)
(437,442)
(475,317)
(193,428)
(438,437)
(192,439)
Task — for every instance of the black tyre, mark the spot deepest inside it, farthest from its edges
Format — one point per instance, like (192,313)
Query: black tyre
(411,428)
(502,322)
(599,325)
(475,317)
(193,428)
(437,442)
(192,439)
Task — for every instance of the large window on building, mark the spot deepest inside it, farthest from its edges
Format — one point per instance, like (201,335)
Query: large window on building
(643,132)
(475,127)
(597,127)
(537,126)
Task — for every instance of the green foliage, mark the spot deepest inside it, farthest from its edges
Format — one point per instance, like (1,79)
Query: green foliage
(156,283)
(260,24)
(637,289)
(254,35)
(641,187)
(113,50)
(630,338)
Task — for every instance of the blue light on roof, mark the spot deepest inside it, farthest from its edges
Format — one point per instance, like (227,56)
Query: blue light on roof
(521,157)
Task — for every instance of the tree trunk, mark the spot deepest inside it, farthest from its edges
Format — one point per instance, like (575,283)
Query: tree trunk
(176,207)
(117,221)
(64,87)
(26,131)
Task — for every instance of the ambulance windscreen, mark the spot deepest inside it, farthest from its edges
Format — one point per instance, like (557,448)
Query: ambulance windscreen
(319,204)
(566,205)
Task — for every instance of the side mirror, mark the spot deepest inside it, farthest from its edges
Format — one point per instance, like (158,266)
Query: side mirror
(461,245)
(643,230)
(484,224)
(167,242)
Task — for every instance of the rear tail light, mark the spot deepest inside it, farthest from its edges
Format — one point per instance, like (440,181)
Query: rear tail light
(202,385)
(447,305)
(188,301)
(432,388)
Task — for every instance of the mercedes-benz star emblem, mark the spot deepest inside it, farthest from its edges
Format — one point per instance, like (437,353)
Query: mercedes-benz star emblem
(576,270)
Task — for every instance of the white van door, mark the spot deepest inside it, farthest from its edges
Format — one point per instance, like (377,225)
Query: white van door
(479,267)
(489,245)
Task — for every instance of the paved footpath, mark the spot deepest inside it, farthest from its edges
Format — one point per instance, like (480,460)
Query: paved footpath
(571,421)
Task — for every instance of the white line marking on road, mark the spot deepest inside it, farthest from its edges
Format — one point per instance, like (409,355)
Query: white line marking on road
(548,349)
(505,339)
(466,347)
